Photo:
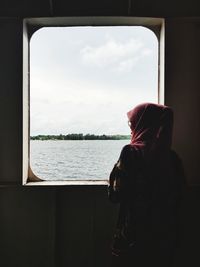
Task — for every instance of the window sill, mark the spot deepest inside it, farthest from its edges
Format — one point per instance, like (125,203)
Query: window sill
(67,183)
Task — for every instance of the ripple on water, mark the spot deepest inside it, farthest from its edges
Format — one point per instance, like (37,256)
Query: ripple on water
(82,160)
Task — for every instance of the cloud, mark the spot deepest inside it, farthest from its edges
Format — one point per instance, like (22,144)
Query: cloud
(120,56)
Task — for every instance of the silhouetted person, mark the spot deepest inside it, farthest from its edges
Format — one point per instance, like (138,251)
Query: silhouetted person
(147,181)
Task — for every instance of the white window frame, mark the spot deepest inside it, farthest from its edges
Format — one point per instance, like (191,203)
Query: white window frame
(30,25)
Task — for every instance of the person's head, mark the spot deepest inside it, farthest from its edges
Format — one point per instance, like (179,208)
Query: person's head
(151,124)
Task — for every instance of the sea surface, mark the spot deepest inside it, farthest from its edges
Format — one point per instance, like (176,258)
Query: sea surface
(74,159)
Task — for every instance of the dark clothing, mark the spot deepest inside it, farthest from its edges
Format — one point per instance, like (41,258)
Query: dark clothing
(149,191)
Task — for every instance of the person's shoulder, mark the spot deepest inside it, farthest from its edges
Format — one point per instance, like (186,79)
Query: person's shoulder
(177,163)
(179,169)
(128,149)
(175,157)
(128,153)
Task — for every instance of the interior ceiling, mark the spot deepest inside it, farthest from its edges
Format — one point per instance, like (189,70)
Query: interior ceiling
(36,8)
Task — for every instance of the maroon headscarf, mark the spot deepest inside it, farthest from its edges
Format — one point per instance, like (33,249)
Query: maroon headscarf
(151,127)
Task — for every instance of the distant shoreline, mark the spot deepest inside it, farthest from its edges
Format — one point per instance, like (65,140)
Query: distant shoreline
(80,137)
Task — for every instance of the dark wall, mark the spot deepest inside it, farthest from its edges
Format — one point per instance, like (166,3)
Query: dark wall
(182,80)
(64,226)
(155,8)
(72,226)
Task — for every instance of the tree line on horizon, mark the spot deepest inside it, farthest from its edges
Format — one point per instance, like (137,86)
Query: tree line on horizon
(80,137)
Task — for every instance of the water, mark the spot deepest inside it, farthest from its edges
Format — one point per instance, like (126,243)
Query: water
(76,159)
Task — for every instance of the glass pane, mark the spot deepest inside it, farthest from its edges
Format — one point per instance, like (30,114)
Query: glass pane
(83,80)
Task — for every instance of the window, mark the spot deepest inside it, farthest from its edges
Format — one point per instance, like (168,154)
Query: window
(82,82)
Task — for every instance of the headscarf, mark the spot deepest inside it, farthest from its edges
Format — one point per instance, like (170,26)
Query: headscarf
(151,127)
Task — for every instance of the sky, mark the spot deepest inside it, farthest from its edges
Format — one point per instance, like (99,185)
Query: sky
(85,79)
